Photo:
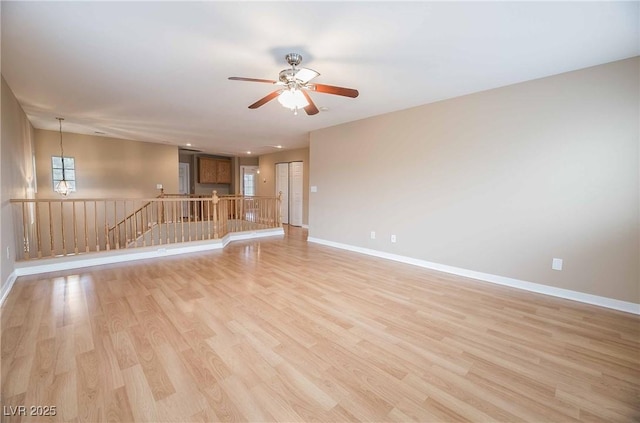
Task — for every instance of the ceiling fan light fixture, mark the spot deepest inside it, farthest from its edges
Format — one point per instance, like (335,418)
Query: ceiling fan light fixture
(293,99)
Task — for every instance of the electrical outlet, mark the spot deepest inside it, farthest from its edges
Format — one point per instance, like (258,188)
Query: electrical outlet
(556,264)
(373,235)
(393,238)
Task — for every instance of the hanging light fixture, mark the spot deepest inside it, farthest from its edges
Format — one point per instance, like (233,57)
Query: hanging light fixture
(62,187)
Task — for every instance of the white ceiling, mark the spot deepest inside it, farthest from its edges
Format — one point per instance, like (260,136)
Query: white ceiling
(157,71)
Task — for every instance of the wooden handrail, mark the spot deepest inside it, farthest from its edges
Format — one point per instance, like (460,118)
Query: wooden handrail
(161,195)
(61,227)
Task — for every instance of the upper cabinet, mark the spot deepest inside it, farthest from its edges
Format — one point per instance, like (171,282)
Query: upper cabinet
(214,171)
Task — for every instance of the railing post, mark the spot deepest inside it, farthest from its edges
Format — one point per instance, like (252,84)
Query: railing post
(215,199)
(279,210)
(161,206)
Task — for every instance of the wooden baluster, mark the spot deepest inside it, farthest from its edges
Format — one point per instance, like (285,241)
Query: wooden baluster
(175,223)
(38,234)
(75,229)
(124,217)
(188,220)
(116,226)
(143,214)
(159,224)
(135,227)
(238,215)
(243,217)
(201,211)
(162,206)
(64,244)
(182,220)
(149,226)
(208,219)
(26,245)
(107,238)
(51,229)
(86,233)
(166,224)
(107,241)
(267,210)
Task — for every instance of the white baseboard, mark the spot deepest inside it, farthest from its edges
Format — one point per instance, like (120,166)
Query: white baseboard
(34,267)
(305,226)
(582,297)
(6,288)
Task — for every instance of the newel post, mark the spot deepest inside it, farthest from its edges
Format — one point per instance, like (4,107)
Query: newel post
(161,205)
(215,199)
(279,210)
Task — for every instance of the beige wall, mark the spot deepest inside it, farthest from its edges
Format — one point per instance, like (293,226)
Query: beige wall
(499,182)
(16,155)
(267,183)
(108,167)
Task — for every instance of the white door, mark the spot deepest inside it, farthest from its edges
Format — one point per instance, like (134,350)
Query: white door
(183,186)
(295,193)
(282,185)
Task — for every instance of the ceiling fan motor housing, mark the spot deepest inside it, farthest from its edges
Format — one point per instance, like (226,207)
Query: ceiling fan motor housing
(293,59)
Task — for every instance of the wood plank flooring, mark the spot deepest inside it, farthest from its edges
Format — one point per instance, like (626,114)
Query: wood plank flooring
(281,330)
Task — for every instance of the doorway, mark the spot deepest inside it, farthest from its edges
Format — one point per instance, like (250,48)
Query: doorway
(183,186)
(289,181)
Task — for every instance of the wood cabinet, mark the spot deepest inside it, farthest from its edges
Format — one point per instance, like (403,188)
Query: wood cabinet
(214,171)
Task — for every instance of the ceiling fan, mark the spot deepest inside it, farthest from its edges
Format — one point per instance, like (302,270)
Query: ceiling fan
(294,83)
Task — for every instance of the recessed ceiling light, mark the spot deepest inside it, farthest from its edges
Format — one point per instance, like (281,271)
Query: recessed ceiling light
(248,152)
(277,146)
(188,144)
(324,109)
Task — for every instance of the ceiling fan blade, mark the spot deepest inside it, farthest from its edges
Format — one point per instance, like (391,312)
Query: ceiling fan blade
(311,109)
(330,89)
(305,75)
(239,78)
(265,99)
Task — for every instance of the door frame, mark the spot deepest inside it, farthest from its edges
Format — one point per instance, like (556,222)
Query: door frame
(185,204)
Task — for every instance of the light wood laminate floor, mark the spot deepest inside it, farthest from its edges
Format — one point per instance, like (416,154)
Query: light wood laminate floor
(282,330)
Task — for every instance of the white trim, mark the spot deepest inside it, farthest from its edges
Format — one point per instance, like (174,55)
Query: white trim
(118,256)
(305,226)
(8,284)
(582,297)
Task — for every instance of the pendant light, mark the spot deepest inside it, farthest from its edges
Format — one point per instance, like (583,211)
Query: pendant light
(62,187)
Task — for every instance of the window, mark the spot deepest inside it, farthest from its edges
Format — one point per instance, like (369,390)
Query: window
(249,179)
(69,171)
(249,184)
